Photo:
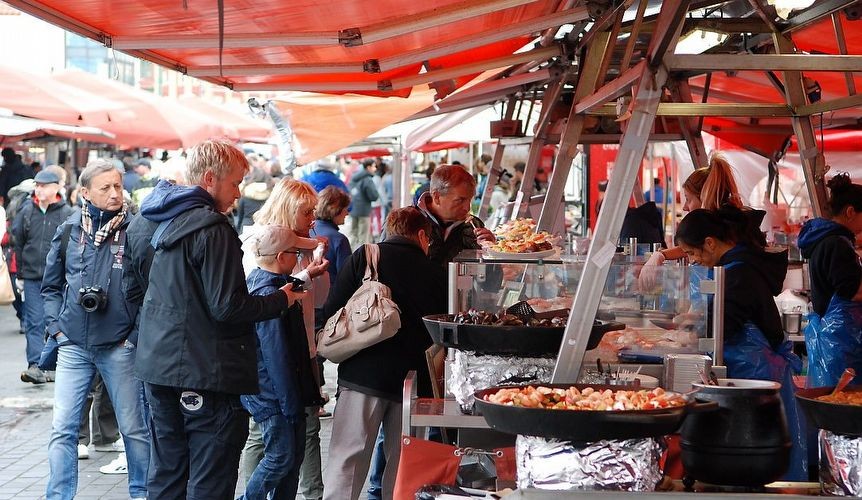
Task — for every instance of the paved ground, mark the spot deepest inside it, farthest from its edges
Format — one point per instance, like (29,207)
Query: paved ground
(25,426)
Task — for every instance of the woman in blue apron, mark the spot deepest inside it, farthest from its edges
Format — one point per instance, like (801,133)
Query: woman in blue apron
(833,336)
(755,346)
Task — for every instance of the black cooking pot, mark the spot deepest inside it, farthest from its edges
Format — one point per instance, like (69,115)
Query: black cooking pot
(744,442)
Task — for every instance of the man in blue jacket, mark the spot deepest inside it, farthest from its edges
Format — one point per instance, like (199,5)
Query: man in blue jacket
(85,312)
(197,353)
(362,193)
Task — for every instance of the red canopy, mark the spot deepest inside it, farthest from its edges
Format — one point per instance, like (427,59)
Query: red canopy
(439,146)
(247,128)
(158,122)
(33,95)
(376,47)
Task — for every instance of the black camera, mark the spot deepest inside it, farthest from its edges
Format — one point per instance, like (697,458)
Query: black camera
(92,298)
(298,284)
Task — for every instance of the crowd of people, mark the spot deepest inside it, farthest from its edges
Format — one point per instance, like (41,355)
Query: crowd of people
(189,316)
(191,303)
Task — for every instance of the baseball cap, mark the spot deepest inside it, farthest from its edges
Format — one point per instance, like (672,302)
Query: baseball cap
(272,239)
(46,177)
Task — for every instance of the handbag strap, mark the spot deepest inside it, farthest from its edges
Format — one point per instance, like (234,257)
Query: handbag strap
(372,257)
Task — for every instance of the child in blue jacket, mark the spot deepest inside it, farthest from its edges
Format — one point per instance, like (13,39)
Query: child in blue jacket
(287,383)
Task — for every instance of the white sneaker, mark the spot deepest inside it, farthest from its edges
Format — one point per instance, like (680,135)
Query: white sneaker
(116,446)
(117,466)
(83,452)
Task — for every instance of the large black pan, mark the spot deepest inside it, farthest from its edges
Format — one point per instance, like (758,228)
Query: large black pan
(584,426)
(520,340)
(834,417)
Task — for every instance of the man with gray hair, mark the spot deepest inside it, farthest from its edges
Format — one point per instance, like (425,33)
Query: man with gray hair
(197,349)
(87,315)
(447,206)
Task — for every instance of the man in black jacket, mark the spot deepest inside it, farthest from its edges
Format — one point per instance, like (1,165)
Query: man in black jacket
(447,208)
(196,352)
(33,228)
(369,383)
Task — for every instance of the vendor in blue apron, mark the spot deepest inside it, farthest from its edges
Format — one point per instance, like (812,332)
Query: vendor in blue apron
(755,346)
(833,337)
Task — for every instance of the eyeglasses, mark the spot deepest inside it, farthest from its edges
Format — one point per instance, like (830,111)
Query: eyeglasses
(297,252)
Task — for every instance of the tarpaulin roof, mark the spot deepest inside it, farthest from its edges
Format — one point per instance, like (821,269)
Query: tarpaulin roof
(34,95)
(17,128)
(158,122)
(247,128)
(377,47)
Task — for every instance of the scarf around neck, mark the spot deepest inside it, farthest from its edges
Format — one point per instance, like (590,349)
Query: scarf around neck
(107,228)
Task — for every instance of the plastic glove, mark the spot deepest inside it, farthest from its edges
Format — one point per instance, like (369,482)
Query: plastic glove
(650,272)
(688,321)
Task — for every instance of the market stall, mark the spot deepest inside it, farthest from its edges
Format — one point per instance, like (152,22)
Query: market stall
(615,61)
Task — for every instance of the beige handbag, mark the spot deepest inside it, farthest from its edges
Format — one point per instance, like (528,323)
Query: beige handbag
(369,317)
(7,294)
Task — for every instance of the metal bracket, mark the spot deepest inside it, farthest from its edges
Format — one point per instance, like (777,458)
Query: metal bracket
(106,40)
(350,37)
(384,85)
(371,66)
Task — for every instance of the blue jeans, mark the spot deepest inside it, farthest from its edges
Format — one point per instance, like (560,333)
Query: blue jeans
(76,367)
(378,465)
(33,320)
(278,471)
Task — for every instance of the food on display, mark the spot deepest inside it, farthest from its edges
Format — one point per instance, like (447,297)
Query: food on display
(520,236)
(647,339)
(474,317)
(843,398)
(554,304)
(586,399)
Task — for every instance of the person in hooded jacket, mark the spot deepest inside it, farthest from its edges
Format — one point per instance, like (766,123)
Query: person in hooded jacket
(833,336)
(33,229)
(196,351)
(755,346)
(362,193)
(96,329)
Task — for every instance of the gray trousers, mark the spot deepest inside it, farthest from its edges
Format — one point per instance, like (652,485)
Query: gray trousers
(356,421)
(359,232)
(310,476)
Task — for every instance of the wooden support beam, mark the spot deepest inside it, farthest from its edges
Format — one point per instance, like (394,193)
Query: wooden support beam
(633,36)
(690,127)
(813,165)
(587,80)
(763,62)
(550,101)
(611,90)
(853,101)
(842,49)
(626,167)
(819,10)
(696,109)
(495,169)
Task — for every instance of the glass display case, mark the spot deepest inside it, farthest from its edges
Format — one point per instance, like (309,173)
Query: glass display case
(666,312)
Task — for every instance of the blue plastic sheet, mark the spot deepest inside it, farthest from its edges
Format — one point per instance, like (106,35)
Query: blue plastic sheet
(750,356)
(834,342)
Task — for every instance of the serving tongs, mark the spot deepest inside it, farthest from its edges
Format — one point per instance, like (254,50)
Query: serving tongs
(526,312)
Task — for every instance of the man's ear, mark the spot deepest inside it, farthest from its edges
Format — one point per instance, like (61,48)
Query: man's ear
(209,178)
(709,243)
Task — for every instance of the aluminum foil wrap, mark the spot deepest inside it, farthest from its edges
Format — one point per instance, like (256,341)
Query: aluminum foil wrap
(615,465)
(470,372)
(840,464)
